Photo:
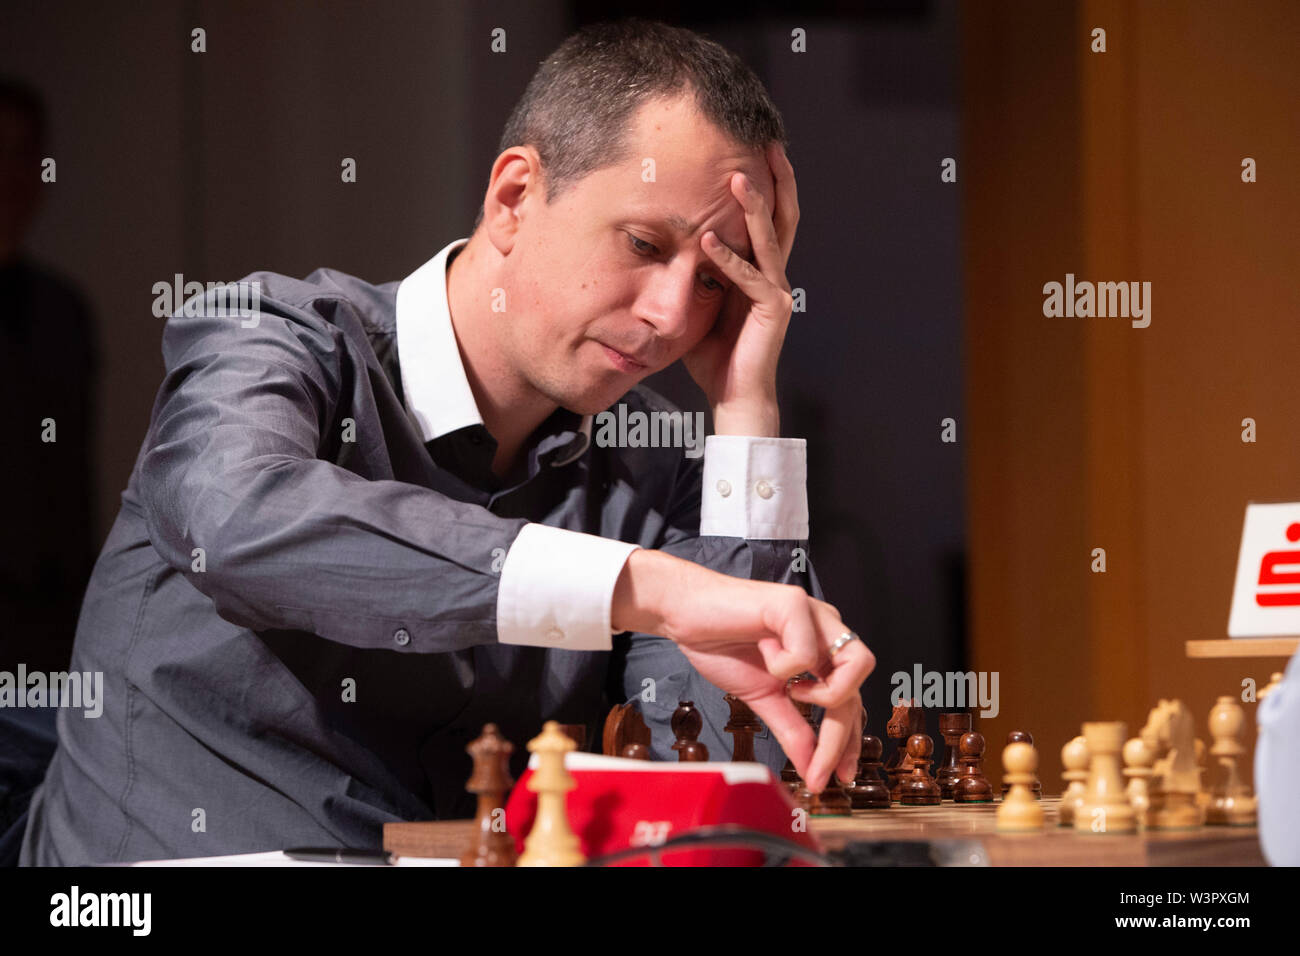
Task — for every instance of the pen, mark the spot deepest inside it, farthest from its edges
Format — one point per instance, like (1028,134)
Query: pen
(340,855)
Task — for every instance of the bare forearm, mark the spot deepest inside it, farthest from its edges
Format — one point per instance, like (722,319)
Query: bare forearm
(760,419)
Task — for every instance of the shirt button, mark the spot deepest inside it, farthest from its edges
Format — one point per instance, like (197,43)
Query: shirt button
(402,636)
(764,488)
(554,634)
(724,487)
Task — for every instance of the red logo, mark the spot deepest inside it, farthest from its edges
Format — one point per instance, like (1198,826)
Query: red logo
(1268,574)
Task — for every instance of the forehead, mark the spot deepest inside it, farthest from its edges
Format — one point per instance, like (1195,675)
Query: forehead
(678,170)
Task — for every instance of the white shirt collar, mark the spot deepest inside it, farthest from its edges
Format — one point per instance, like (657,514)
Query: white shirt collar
(437,393)
(436,390)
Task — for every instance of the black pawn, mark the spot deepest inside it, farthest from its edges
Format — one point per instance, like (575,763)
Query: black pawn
(687,723)
(918,788)
(972,786)
(870,792)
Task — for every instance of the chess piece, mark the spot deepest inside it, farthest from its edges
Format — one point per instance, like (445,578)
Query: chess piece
(1103,808)
(951,727)
(742,725)
(636,752)
(834,800)
(1074,757)
(1020,810)
(789,775)
(896,729)
(492,845)
(1231,800)
(1023,737)
(869,791)
(972,786)
(918,788)
(908,719)
(624,726)
(551,842)
(1175,778)
(1138,760)
(687,722)
(1202,795)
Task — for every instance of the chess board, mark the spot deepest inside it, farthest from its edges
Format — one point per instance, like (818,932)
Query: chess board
(956,834)
(958,831)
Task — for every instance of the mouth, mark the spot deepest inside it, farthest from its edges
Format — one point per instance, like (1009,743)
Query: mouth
(624,362)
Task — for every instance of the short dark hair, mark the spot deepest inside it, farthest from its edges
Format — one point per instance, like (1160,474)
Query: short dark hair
(579,104)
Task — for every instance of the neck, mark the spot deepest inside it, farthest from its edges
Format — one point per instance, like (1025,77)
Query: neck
(511,408)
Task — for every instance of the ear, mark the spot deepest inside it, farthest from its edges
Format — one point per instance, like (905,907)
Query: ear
(514,188)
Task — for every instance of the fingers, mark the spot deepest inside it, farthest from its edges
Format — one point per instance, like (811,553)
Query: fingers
(762,231)
(847,770)
(773,300)
(797,645)
(849,668)
(786,217)
(792,732)
(839,741)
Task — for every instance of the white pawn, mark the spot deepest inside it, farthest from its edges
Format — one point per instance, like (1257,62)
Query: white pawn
(1019,809)
(1139,759)
(1231,801)
(1074,756)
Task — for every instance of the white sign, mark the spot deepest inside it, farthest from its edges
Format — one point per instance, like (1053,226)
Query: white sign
(1266,597)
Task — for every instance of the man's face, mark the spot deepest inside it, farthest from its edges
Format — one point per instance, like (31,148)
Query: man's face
(610,280)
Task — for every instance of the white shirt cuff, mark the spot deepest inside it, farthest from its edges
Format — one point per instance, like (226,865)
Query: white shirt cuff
(755,487)
(557,587)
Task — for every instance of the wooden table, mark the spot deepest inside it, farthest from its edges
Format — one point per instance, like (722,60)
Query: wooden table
(957,834)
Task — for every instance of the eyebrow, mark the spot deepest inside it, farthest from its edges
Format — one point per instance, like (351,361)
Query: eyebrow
(681,225)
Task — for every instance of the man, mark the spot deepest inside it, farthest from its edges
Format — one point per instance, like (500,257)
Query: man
(366,520)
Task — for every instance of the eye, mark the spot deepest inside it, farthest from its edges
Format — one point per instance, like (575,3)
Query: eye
(641,247)
(716,286)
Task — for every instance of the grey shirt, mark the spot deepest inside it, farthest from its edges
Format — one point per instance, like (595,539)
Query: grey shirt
(297,632)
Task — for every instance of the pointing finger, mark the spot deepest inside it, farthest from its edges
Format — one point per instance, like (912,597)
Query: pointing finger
(789,728)
(768,253)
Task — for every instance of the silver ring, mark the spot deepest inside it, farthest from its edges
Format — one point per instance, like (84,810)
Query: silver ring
(844,638)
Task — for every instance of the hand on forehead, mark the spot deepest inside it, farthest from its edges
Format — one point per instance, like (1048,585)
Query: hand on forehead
(760,176)
(736,233)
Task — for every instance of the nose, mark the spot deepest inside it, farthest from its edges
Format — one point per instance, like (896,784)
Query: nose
(666,297)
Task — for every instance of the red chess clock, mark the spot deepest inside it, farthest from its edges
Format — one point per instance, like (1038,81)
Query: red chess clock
(620,804)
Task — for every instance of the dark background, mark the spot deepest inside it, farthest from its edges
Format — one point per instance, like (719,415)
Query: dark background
(218,164)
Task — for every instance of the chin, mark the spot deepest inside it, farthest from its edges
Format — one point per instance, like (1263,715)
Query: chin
(593,400)
(592,405)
